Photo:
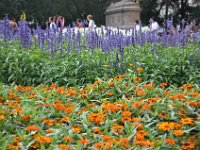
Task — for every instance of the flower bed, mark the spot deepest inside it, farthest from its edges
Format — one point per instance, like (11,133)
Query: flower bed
(118,113)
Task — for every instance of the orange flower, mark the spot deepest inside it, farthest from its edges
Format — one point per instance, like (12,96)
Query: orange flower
(165,126)
(142,132)
(163,85)
(178,132)
(125,119)
(97,82)
(98,145)
(188,146)
(131,65)
(32,128)
(187,121)
(149,86)
(137,79)
(139,69)
(111,83)
(106,138)
(64,147)
(76,129)
(43,139)
(166,92)
(118,128)
(68,139)
(124,142)
(110,94)
(49,122)
(2,117)
(53,86)
(144,143)
(71,92)
(49,131)
(59,106)
(126,113)
(60,90)
(97,118)
(97,131)
(169,141)
(145,107)
(187,86)
(136,120)
(140,92)
(136,104)
(65,119)
(84,141)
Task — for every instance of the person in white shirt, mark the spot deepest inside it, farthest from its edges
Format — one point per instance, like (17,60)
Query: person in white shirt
(52,23)
(91,24)
(154,25)
(137,25)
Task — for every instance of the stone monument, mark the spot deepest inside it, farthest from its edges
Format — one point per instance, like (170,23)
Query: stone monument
(122,13)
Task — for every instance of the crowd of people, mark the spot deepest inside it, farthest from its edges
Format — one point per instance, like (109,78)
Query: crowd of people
(58,22)
(190,26)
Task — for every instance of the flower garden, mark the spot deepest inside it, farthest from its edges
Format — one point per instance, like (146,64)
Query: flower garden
(98,90)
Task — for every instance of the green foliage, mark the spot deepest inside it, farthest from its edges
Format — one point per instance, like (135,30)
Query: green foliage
(34,67)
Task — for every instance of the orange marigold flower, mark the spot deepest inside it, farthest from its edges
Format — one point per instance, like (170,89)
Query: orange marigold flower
(124,142)
(59,106)
(83,141)
(187,86)
(165,126)
(106,138)
(111,83)
(166,92)
(53,86)
(98,145)
(140,92)
(169,141)
(32,128)
(188,146)
(110,94)
(97,131)
(126,119)
(44,99)
(187,121)
(131,65)
(76,129)
(25,118)
(68,139)
(126,113)
(139,69)
(49,122)
(137,79)
(2,117)
(43,139)
(178,132)
(71,92)
(97,118)
(64,147)
(49,131)
(136,120)
(118,128)
(142,132)
(163,85)
(144,143)
(97,82)
(65,119)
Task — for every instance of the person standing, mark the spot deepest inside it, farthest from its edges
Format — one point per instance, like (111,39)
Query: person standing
(91,24)
(79,23)
(154,25)
(52,23)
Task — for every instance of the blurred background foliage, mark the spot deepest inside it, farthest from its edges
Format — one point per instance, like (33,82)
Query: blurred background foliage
(41,10)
